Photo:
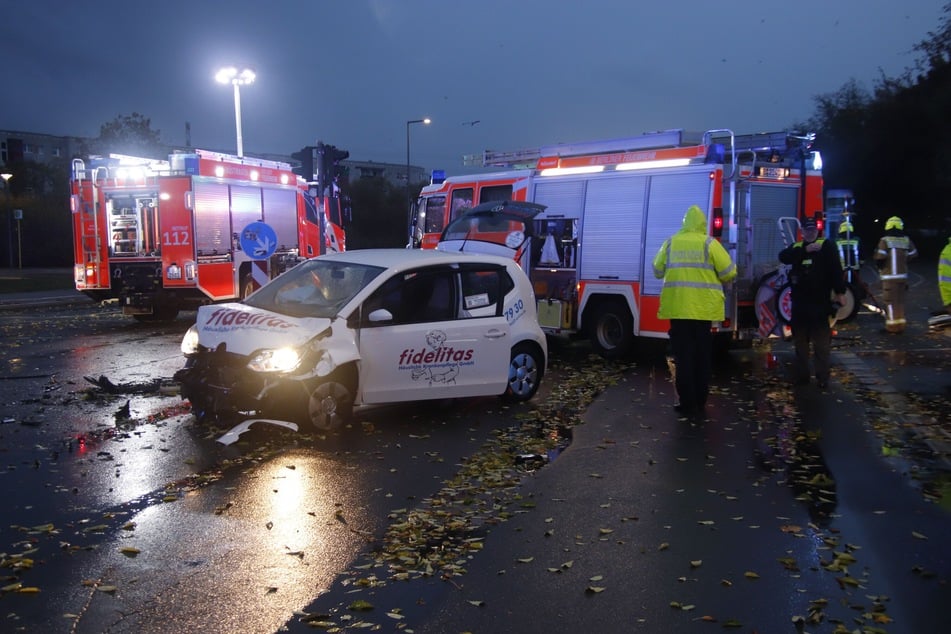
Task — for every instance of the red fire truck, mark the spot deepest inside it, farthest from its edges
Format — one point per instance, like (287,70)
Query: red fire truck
(610,204)
(160,236)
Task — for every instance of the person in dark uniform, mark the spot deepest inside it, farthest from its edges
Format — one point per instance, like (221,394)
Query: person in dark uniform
(816,273)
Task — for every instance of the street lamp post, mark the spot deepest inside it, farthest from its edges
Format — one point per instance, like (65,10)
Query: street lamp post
(18,215)
(6,179)
(237,78)
(409,200)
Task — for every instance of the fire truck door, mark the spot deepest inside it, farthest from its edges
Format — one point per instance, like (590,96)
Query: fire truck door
(759,207)
(670,197)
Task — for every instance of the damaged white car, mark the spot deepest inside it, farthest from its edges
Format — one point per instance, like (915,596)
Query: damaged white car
(366,327)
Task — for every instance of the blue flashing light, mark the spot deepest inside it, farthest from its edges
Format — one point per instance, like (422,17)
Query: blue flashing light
(716,153)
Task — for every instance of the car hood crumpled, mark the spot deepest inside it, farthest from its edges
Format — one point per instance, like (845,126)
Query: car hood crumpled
(245,329)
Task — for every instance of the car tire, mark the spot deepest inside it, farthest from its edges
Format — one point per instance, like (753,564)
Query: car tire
(526,368)
(330,406)
(611,330)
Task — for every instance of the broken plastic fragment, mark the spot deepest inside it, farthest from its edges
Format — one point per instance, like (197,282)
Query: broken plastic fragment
(231,436)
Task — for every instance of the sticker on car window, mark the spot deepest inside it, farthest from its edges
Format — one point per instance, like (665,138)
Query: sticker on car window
(479,300)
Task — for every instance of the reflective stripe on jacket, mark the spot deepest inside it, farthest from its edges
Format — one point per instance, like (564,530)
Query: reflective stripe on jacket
(895,251)
(848,253)
(694,267)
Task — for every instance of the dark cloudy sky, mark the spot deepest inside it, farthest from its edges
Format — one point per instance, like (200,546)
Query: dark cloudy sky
(531,72)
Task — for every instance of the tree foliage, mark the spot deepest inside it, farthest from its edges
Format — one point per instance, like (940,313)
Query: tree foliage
(893,147)
(128,134)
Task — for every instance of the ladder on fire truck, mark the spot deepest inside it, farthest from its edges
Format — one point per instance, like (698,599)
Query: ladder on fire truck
(528,157)
(761,145)
(765,145)
(89,232)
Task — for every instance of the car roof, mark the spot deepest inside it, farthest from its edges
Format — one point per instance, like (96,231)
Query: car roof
(397,258)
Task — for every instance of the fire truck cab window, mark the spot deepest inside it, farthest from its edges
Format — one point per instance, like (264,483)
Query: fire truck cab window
(434,214)
(495,192)
(461,200)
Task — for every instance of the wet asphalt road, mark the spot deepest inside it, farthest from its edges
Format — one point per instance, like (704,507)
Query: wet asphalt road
(143,523)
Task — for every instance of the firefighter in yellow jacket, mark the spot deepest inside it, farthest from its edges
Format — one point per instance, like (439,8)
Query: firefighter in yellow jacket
(694,267)
(944,276)
(894,251)
(848,246)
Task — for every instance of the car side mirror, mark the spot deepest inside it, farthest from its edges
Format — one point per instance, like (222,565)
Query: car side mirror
(380,314)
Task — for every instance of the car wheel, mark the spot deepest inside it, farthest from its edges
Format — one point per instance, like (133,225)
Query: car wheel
(525,372)
(330,406)
(611,330)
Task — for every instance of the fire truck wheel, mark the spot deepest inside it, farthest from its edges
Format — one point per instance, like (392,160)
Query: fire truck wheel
(611,329)
(525,372)
(849,309)
(330,405)
(784,303)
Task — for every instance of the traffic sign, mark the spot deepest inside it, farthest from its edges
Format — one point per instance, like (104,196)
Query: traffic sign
(258,240)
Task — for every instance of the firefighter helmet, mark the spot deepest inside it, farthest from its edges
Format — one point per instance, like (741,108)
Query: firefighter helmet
(894,223)
(846,227)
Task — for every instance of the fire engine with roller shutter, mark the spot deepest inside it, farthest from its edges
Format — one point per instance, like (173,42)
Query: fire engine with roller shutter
(609,205)
(160,236)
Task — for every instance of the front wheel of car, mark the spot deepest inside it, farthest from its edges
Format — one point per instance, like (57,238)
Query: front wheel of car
(526,368)
(330,406)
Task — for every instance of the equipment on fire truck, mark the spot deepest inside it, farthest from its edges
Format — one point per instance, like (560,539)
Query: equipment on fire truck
(609,205)
(159,236)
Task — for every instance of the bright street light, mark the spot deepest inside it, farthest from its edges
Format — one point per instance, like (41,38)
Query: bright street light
(409,201)
(237,78)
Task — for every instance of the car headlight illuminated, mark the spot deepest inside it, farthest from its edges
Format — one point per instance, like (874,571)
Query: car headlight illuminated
(190,342)
(275,360)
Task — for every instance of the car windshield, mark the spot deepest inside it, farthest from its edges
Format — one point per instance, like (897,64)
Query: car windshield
(316,288)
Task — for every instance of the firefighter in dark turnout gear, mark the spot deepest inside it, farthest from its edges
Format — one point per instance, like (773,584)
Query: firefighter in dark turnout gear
(816,274)
(894,251)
